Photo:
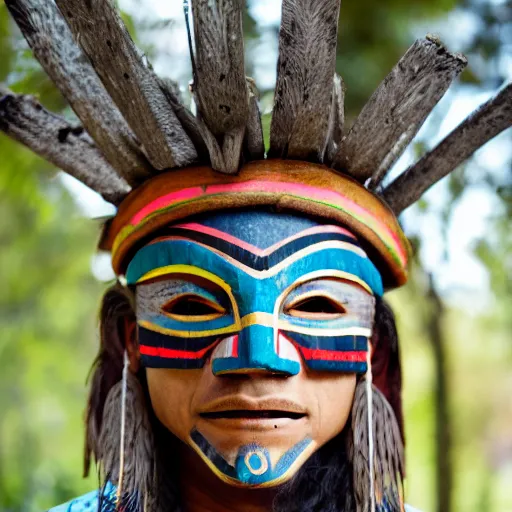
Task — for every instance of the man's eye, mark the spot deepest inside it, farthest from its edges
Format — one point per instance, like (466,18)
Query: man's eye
(192,307)
(315,307)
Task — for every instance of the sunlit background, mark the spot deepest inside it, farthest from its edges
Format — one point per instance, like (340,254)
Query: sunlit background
(455,316)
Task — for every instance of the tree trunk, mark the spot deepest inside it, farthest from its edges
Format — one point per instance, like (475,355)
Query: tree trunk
(444,473)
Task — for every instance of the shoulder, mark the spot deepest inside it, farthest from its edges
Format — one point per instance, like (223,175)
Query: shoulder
(90,502)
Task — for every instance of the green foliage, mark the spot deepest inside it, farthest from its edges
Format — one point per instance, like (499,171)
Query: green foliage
(48,332)
(372,37)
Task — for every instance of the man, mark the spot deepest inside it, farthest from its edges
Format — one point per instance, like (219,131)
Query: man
(252,331)
(247,360)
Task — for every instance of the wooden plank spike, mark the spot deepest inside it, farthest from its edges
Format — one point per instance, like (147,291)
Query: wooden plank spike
(482,125)
(254,145)
(397,109)
(306,65)
(101,33)
(220,88)
(68,147)
(336,119)
(54,47)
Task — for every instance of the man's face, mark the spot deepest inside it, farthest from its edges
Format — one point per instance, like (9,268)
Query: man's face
(252,327)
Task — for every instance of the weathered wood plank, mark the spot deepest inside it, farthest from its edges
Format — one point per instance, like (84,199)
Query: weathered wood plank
(68,147)
(52,43)
(481,126)
(336,119)
(219,77)
(187,119)
(254,144)
(214,149)
(306,65)
(397,109)
(231,149)
(101,33)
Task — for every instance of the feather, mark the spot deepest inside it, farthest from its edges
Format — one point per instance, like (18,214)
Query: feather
(388,452)
(306,65)
(101,33)
(138,471)
(397,109)
(481,126)
(53,46)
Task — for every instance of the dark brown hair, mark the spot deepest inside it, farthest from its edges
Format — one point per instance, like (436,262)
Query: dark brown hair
(325,482)
(116,310)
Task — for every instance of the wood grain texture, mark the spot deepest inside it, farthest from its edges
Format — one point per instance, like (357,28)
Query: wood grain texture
(306,65)
(214,150)
(53,46)
(101,33)
(231,149)
(336,119)
(66,146)
(187,119)
(481,126)
(220,88)
(397,109)
(254,144)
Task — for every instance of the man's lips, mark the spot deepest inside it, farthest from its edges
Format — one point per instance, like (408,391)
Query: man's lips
(249,408)
(249,414)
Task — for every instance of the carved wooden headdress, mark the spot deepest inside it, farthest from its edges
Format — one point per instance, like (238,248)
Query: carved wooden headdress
(144,151)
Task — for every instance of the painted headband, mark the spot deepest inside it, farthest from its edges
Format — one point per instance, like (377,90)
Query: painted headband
(299,186)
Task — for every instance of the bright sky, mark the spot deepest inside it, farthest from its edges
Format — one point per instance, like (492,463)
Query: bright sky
(462,273)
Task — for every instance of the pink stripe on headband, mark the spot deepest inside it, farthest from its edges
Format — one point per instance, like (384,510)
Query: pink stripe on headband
(324,196)
(167,200)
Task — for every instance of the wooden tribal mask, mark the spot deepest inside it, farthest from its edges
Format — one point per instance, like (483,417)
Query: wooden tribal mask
(268,317)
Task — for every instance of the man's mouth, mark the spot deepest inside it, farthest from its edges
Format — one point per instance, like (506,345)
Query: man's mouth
(252,414)
(249,413)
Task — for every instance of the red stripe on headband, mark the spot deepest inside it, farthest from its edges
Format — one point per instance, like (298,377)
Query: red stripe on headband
(261,186)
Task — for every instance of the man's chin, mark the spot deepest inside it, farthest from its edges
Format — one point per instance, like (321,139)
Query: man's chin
(253,464)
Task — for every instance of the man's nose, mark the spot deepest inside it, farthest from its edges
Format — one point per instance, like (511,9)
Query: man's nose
(255,349)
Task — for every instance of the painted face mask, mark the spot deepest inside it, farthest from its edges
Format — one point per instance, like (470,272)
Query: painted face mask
(254,294)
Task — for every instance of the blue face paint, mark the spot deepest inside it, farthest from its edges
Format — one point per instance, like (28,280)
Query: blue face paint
(253,465)
(255,287)
(210,294)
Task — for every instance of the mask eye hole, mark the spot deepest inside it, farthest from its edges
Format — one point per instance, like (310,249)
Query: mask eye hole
(192,308)
(316,307)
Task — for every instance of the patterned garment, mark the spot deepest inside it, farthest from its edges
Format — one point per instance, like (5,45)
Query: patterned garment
(89,502)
